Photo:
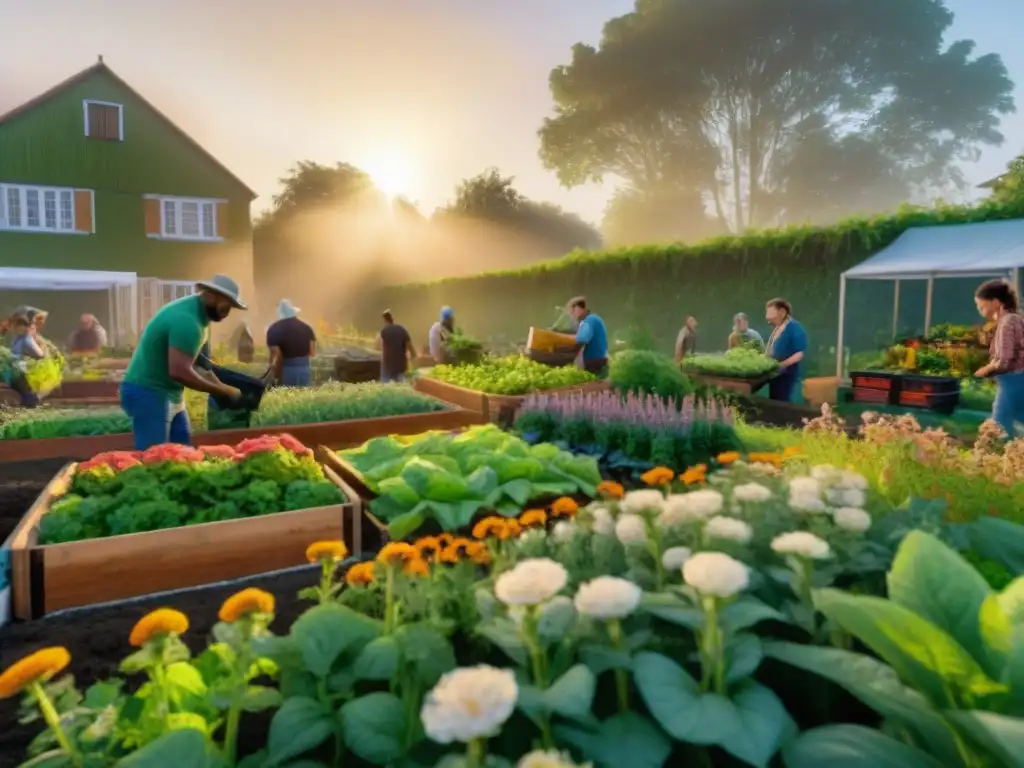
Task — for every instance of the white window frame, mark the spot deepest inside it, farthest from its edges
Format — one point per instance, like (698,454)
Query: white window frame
(120,116)
(170,226)
(22,226)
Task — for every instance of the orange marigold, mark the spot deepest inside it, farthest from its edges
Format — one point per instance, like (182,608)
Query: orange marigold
(610,490)
(564,507)
(765,458)
(361,574)
(429,548)
(790,452)
(416,567)
(478,552)
(456,550)
(40,666)
(247,601)
(728,457)
(658,476)
(510,530)
(162,621)
(329,551)
(693,476)
(533,518)
(396,553)
(489,526)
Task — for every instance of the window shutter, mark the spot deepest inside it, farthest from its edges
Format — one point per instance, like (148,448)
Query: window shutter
(222,220)
(83,211)
(152,208)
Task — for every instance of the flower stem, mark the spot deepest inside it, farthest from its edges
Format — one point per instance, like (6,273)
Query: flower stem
(654,547)
(389,595)
(538,664)
(476,753)
(621,681)
(712,651)
(326,577)
(231,733)
(53,720)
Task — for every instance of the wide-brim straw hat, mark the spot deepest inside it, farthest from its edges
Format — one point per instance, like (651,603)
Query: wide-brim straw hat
(226,287)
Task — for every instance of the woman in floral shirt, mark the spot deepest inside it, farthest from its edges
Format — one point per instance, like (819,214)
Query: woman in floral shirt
(997,301)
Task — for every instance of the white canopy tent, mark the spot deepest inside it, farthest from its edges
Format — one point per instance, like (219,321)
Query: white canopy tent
(983,250)
(121,288)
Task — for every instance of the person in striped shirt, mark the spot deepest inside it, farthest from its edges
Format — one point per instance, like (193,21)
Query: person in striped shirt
(997,301)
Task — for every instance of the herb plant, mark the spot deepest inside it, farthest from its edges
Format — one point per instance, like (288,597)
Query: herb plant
(47,423)
(334,401)
(514,375)
(740,363)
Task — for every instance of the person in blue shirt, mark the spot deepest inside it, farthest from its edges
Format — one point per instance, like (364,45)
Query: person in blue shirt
(591,337)
(787,345)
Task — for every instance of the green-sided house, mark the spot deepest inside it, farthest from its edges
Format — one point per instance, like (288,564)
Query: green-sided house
(95,178)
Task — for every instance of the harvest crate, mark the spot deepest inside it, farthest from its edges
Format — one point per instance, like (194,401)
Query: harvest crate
(338,434)
(940,402)
(879,380)
(493,407)
(54,577)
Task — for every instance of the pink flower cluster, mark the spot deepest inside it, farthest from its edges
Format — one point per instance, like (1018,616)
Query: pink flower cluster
(122,460)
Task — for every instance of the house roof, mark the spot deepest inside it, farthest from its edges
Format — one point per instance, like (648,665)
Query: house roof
(100,67)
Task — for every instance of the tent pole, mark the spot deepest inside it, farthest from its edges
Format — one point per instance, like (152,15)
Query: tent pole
(895,309)
(839,339)
(928,304)
(114,325)
(1015,278)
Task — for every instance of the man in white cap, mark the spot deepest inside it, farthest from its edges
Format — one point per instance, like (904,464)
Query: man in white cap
(292,344)
(152,393)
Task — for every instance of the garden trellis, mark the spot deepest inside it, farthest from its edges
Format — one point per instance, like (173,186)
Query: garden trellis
(984,250)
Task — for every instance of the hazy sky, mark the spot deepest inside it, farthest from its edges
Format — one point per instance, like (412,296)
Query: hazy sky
(429,90)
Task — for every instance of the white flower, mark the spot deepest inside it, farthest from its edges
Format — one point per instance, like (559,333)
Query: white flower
(762,468)
(469,703)
(608,597)
(751,492)
(801,544)
(674,557)
(675,511)
(564,530)
(603,522)
(850,497)
(648,500)
(856,480)
(531,582)
(825,473)
(551,759)
(728,528)
(715,574)
(852,519)
(532,536)
(805,495)
(631,529)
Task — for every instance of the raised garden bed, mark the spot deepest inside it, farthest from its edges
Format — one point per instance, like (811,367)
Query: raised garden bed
(336,434)
(492,407)
(49,578)
(741,386)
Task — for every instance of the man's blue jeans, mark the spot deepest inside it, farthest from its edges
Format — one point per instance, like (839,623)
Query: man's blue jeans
(154,422)
(1008,407)
(296,372)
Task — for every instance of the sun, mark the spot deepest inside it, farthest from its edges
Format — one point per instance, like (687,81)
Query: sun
(391,171)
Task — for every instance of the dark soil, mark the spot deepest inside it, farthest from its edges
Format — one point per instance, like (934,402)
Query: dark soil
(20,485)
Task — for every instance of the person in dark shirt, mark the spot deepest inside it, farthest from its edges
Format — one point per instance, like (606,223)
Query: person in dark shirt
(396,350)
(292,344)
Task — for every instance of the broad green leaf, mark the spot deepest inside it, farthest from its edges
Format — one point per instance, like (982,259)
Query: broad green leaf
(100,695)
(325,632)
(745,613)
(1013,674)
(185,686)
(257,698)
(853,746)
(626,739)
(999,735)
(923,655)
(503,633)
(399,491)
(876,685)
(743,656)
(572,695)
(454,515)
(996,631)
(482,482)
(300,725)
(1012,600)
(378,660)
(374,727)
(432,483)
(672,609)
(999,540)
(930,579)
(518,490)
(181,747)
(427,650)
(601,658)
(404,526)
(54,758)
(749,726)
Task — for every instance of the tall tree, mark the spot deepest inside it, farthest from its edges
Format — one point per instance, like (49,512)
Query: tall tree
(775,110)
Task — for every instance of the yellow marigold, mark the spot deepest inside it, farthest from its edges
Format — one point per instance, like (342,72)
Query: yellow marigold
(330,551)
(445,539)
(489,526)
(247,601)
(510,530)
(416,567)
(790,452)
(693,476)
(728,457)
(361,574)
(765,458)
(658,476)
(429,548)
(532,518)
(564,507)
(39,666)
(456,550)
(396,553)
(610,490)
(162,621)
(478,552)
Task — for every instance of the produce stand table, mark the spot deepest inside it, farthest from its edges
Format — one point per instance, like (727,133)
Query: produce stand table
(493,407)
(337,434)
(741,386)
(48,578)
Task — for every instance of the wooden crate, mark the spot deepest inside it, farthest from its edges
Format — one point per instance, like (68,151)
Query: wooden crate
(59,576)
(467,399)
(337,434)
(375,532)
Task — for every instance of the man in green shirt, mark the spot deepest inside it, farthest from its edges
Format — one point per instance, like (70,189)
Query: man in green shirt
(153,390)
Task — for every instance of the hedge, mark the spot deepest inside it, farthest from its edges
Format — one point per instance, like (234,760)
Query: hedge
(655,287)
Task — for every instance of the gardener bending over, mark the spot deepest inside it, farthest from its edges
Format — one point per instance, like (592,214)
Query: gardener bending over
(591,337)
(153,390)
